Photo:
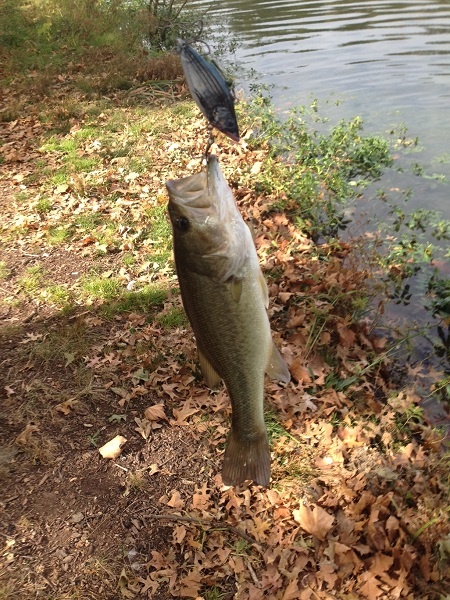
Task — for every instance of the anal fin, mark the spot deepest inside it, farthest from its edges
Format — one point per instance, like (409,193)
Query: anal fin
(277,368)
(211,376)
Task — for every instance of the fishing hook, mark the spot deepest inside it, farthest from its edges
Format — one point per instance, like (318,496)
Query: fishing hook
(209,143)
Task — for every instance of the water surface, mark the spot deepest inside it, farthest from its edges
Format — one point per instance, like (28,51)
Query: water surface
(387,61)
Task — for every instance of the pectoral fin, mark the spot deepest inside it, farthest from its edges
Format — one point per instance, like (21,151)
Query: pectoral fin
(264,289)
(236,288)
(211,376)
(277,368)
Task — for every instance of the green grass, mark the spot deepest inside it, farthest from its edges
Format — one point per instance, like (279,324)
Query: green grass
(275,429)
(31,281)
(214,593)
(145,301)
(4,271)
(175,317)
(22,197)
(128,260)
(68,341)
(60,177)
(60,296)
(59,235)
(88,222)
(99,288)
(44,205)
(83,164)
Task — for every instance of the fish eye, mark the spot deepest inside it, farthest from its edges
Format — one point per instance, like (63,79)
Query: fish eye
(182,223)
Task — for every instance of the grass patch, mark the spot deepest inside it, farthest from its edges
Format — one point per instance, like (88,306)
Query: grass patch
(44,205)
(4,271)
(275,429)
(88,222)
(83,164)
(100,288)
(72,340)
(175,317)
(60,296)
(59,235)
(144,301)
(31,281)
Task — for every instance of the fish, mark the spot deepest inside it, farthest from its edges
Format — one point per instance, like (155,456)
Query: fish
(210,90)
(225,297)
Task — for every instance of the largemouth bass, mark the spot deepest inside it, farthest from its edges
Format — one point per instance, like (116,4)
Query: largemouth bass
(225,297)
(209,90)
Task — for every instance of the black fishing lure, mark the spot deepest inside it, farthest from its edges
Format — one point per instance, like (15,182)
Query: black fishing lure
(209,90)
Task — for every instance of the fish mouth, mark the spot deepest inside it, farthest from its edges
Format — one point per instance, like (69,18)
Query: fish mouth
(189,191)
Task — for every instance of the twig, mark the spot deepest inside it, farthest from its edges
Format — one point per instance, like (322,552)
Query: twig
(203,523)
(253,574)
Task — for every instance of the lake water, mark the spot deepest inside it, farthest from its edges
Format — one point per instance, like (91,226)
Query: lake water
(387,61)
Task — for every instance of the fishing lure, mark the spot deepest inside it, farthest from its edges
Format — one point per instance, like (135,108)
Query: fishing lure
(210,90)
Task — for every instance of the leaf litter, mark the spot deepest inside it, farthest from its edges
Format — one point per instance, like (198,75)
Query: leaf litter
(359,502)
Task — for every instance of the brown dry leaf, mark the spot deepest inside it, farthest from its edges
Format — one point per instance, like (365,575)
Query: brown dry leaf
(201,499)
(176,500)
(179,533)
(182,414)
(25,436)
(314,520)
(299,372)
(381,564)
(370,588)
(291,592)
(123,586)
(190,585)
(113,448)
(155,413)
(66,407)
(144,427)
(346,335)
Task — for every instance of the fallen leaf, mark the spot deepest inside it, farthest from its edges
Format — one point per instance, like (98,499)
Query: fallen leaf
(314,520)
(155,413)
(299,372)
(176,500)
(66,407)
(24,438)
(182,414)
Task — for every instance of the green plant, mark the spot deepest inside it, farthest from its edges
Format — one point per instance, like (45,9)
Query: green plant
(44,205)
(308,174)
(214,593)
(175,317)
(4,271)
(101,288)
(59,235)
(167,20)
(32,280)
(144,300)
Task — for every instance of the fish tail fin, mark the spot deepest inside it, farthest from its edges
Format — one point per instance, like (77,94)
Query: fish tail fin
(246,459)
